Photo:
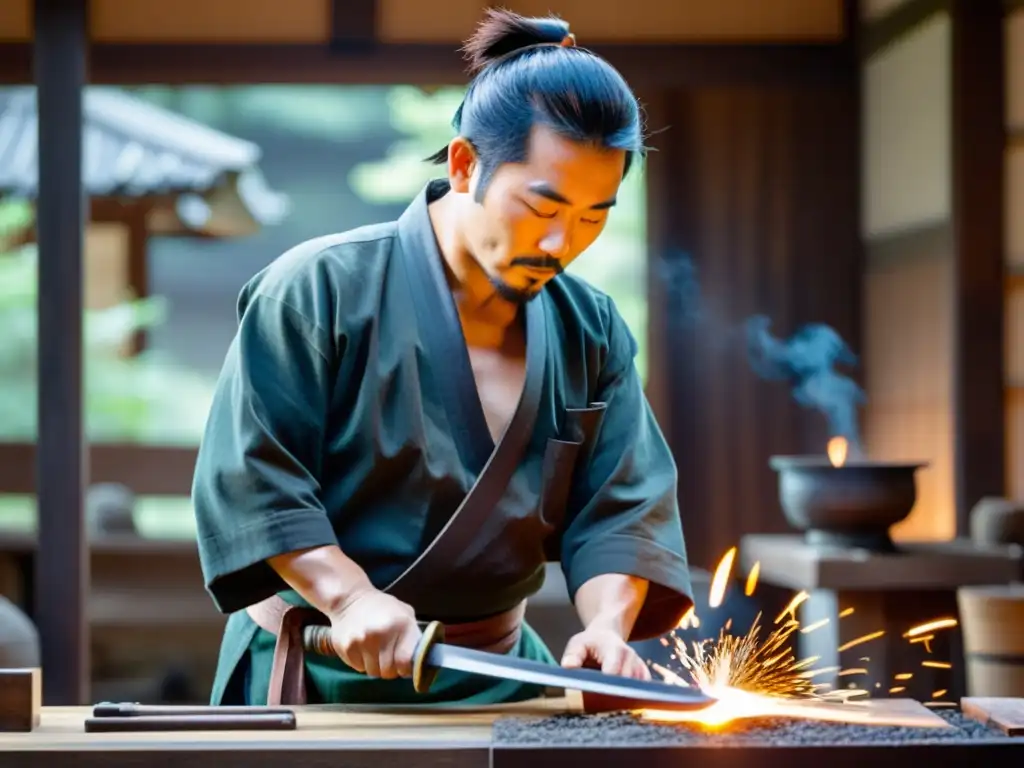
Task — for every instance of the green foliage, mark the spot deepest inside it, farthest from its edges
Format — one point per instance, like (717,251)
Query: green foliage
(143,398)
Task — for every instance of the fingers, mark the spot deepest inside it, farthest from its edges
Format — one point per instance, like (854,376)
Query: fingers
(405,650)
(397,654)
(615,659)
(626,662)
(577,653)
(609,653)
(386,654)
(637,669)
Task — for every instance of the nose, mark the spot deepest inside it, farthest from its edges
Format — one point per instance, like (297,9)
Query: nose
(556,243)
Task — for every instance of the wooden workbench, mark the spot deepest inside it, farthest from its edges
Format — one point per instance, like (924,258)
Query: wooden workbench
(458,738)
(353,738)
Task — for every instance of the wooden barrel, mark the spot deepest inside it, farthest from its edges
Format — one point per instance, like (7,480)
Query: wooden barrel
(992,626)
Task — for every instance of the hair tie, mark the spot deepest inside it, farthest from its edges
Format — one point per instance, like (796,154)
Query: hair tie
(569,41)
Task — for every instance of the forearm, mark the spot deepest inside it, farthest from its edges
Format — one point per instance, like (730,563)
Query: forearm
(611,601)
(325,577)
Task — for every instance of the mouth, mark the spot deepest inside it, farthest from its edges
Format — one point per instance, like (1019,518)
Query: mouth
(536,274)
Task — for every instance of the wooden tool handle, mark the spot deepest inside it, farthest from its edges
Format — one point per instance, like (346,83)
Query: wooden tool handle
(317,639)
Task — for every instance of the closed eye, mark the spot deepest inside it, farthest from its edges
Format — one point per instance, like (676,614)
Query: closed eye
(535,212)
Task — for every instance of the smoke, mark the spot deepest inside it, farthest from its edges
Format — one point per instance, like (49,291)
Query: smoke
(807,360)
(678,277)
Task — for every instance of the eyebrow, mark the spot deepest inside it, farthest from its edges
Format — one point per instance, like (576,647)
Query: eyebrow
(545,190)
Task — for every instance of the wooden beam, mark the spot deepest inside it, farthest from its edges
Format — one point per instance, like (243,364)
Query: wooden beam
(906,17)
(656,65)
(62,568)
(978,141)
(147,469)
(353,25)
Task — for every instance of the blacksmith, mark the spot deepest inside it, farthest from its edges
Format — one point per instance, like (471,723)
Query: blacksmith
(413,413)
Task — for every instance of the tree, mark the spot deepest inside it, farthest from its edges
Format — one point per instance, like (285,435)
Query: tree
(142,398)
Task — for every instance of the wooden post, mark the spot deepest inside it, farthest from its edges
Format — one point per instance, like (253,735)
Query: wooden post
(62,563)
(978,138)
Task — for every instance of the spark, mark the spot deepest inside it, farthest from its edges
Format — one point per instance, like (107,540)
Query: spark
(747,663)
(790,609)
(755,571)
(758,673)
(925,641)
(684,622)
(858,640)
(721,579)
(816,625)
(923,629)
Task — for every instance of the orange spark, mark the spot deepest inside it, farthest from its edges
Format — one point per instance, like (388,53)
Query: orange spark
(858,640)
(930,626)
(790,610)
(755,571)
(814,626)
(721,578)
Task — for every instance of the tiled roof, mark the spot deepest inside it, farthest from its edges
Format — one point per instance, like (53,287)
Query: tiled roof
(136,149)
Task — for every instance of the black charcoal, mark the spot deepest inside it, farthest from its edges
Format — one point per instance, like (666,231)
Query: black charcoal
(621,729)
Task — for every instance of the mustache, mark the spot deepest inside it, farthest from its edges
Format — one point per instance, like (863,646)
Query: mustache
(538,262)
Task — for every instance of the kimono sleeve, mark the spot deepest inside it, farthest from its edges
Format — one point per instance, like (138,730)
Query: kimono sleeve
(256,486)
(623,515)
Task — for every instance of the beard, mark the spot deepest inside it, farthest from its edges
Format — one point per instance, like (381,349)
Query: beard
(523,295)
(518,296)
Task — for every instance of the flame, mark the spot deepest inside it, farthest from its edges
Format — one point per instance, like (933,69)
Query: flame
(837,448)
(750,677)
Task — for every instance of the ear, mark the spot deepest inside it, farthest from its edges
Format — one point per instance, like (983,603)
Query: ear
(461,164)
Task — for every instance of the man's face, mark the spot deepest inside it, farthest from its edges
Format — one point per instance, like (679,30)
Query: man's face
(537,217)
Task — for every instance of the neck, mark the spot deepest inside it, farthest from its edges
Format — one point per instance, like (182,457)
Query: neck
(485,315)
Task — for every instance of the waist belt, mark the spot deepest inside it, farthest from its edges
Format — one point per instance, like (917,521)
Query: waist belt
(496,634)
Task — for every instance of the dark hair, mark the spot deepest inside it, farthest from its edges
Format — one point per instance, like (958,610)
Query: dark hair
(525,74)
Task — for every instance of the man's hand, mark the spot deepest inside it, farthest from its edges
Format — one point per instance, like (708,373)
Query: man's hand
(376,634)
(607,650)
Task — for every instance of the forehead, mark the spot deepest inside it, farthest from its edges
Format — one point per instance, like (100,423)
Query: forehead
(581,172)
